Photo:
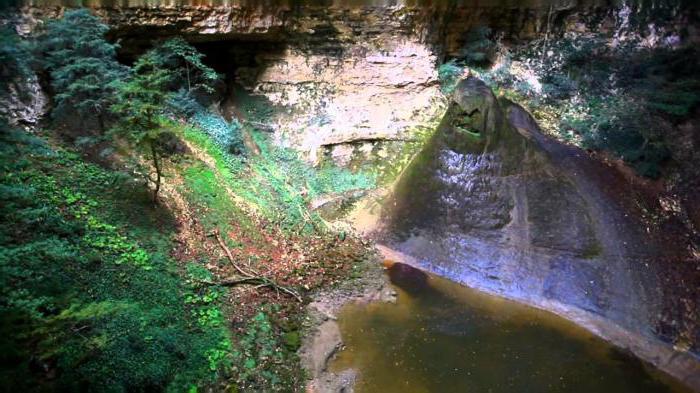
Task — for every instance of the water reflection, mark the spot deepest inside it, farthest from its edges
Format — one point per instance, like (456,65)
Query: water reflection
(442,337)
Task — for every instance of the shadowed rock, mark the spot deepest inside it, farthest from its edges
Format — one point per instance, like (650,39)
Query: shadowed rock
(407,277)
(493,203)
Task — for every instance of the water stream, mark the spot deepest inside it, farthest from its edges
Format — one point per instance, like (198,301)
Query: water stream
(443,337)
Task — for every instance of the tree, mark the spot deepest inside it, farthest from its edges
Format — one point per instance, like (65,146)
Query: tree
(138,104)
(82,65)
(13,56)
(15,74)
(140,99)
(185,61)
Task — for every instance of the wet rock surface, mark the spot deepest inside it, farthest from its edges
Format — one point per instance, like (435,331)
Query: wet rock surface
(492,203)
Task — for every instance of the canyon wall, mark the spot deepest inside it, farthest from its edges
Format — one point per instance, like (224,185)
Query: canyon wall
(356,82)
(352,81)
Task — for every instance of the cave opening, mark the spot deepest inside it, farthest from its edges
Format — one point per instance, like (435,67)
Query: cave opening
(240,62)
(239,59)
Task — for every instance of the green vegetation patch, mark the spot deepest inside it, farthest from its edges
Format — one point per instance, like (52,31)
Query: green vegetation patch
(88,303)
(277,181)
(215,209)
(265,354)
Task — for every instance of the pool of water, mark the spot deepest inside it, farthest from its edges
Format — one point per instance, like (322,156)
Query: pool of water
(442,337)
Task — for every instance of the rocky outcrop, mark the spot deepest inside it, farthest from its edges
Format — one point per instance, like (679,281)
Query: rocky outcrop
(494,204)
(23,102)
(489,202)
(380,95)
(349,83)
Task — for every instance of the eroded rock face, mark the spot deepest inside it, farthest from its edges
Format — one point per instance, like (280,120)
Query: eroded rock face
(355,82)
(479,176)
(350,83)
(381,95)
(24,103)
(494,204)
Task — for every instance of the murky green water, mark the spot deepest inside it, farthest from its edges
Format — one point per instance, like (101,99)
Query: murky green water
(442,337)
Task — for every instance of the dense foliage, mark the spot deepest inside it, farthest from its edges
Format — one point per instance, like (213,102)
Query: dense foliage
(15,74)
(82,65)
(185,63)
(91,299)
(141,99)
(97,294)
(13,57)
(227,135)
(138,103)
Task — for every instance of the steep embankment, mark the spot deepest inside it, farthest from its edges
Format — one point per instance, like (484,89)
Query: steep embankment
(206,288)
(504,211)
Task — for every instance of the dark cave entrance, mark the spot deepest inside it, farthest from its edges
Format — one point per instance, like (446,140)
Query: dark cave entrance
(238,58)
(240,62)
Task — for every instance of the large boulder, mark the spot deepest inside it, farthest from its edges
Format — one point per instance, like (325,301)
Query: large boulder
(492,203)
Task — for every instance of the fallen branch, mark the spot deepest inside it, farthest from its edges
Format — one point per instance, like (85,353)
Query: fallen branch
(261,283)
(248,277)
(240,270)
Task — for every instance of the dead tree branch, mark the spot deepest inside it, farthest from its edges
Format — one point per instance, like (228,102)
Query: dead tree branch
(248,277)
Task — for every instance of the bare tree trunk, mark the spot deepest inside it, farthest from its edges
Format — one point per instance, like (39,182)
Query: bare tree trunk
(546,34)
(189,84)
(156,163)
(101,123)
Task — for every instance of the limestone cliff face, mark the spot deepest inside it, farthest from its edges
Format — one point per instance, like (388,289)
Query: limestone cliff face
(353,80)
(347,82)
(24,103)
(382,95)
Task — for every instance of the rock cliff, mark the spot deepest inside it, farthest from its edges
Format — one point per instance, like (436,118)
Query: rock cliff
(489,201)
(353,81)
(493,203)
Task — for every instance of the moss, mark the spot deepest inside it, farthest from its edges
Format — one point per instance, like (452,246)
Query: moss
(277,183)
(593,250)
(391,158)
(215,209)
(473,135)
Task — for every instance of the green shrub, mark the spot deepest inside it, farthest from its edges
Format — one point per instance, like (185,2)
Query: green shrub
(619,125)
(449,74)
(15,57)
(226,134)
(82,65)
(604,97)
(266,363)
(182,104)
